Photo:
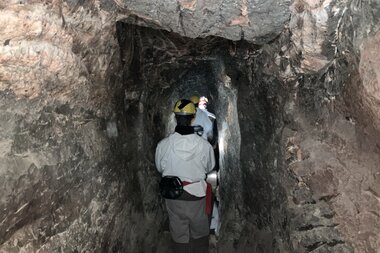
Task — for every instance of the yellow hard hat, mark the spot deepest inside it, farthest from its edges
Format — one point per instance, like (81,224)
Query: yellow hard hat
(194,99)
(184,107)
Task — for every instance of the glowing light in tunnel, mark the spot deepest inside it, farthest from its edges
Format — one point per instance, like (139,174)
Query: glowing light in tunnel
(222,143)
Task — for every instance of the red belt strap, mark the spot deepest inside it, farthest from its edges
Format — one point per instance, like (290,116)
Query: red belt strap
(208,199)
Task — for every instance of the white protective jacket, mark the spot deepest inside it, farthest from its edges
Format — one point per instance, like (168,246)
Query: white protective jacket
(188,157)
(202,119)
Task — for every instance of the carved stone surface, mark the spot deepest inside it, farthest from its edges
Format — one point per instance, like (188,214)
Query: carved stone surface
(255,20)
(63,182)
(370,74)
(315,31)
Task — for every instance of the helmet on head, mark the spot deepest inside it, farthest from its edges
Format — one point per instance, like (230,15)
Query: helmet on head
(194,99)
(184,107)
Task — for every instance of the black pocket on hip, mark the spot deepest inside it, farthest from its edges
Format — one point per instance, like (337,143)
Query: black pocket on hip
(171,187)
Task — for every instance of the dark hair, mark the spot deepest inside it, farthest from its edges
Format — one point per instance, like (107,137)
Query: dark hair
(184,120)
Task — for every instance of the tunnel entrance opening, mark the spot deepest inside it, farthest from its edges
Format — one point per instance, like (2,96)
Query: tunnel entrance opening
(161,67)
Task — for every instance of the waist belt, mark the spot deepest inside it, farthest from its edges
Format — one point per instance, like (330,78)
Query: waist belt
(184,183)
(189,197)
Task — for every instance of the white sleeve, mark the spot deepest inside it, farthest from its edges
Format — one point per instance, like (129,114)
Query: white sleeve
(158,158)
(211,158)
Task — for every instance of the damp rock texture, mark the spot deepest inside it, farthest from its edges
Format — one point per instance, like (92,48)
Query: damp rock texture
(254,20)
(64,183)
(86,92)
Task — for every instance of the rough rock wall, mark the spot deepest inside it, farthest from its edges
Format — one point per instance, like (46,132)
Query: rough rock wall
(310,147)
(324,33)
(260,102)
(331,140)
(335,195)
(254,20)
(64,185)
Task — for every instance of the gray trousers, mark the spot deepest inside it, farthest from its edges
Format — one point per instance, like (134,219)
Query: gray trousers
(187,220)
(194,246)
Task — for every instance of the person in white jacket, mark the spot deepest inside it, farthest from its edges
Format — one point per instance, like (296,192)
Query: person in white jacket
(190,157)
(202,104)
(202,119)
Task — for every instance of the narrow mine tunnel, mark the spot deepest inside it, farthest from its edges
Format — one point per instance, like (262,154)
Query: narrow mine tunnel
(179,67)
(87,91)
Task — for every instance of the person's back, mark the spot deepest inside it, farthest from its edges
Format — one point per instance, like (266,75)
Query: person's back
(186,155)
